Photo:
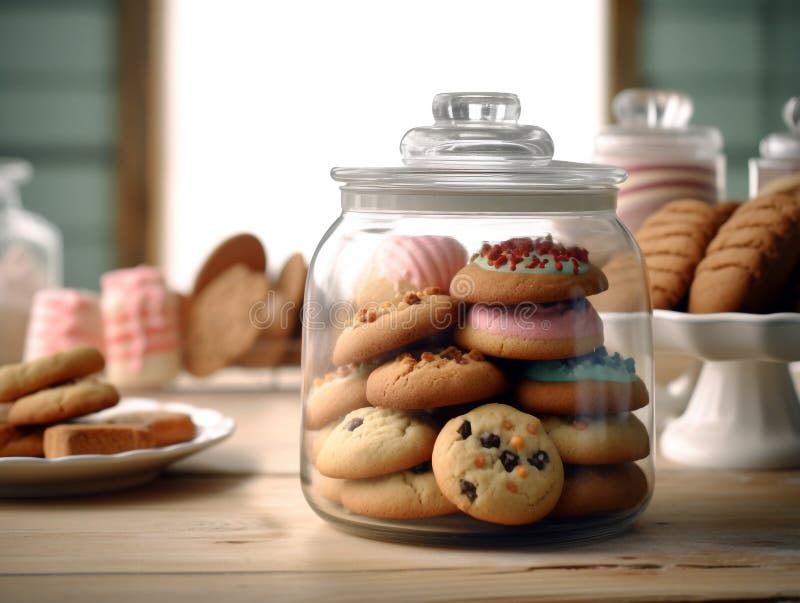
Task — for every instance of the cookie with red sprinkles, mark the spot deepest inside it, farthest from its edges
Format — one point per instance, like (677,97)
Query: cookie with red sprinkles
(538,270)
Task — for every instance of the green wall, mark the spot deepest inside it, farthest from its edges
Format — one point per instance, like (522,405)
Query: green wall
(738,59)
(58,80)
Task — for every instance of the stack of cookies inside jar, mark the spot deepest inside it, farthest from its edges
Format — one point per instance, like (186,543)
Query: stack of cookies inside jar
(478,387)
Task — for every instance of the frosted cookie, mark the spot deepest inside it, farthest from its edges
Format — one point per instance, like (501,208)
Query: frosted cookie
(21,441)
(141,326)
(601,489)
(673,240)
(62,319)
(749,261)
(425,379)
(244,248)
(336,394)
(497,464)
(596,383)
(79,438)
(598,440)
(375,441)
(527,270)
(532,331)
(63,402)
(409,263)
(17,380)
(165,426)
(377,329)
(410,494)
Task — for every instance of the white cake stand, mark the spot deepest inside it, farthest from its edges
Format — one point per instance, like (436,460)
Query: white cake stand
(744,412)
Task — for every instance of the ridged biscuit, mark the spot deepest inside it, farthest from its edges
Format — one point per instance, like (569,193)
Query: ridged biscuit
(673,241)
(63,402)
(749,261)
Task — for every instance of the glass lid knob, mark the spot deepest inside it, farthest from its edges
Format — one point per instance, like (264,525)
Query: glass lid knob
(653,108)
(791,114)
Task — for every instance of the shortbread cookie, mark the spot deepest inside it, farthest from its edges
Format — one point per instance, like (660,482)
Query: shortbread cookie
(673,241)
(748,263)
(63,402)
(591,490)
(17,380)
(244,248)
(166,427)
(526,270)
(377,329)
(336,394)
(598,440)
(375,441)
(425,379)
(220,326)
(410,494)
(21,441)
(532,331)
(597,383)
(70,439)
(497,464)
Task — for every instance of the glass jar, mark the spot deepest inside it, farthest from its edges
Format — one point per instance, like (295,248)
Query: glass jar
(780,154)
(453,352)
(666,158)
(30,259)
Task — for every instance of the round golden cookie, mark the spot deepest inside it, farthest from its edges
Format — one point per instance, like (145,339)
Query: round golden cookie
(498,464)
(749,261)
(526,270)
(377,329)
(598,440)
(673,240)
(600,489)
(244,248)
(220,326)
(424,380)
(410,494)
(336,394)
(21,441)
(369,442)
(63,402)
(17,380)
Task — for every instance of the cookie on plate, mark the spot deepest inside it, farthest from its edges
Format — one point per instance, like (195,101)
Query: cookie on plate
(21,441)
(166,427)
(498,464)
(596,383)
(68,439)
(748,263)
(600,489)
(410,494)
(336,394)
(526,270)
(63,402)
(598,440)
(17,380)
(375,441)
(532,331)
(377,329)
(425,379)
(243,248)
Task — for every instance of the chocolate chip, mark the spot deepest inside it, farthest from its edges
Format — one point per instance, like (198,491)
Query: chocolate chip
(421,468)
(490,440)
(351,426)
(539,459)
(509,460)
(469,490)
(465,430)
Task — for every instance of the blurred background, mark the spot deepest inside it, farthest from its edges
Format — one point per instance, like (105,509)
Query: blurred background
(156,129)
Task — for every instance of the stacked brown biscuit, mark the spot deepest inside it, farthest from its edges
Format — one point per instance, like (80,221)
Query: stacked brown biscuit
(41,395)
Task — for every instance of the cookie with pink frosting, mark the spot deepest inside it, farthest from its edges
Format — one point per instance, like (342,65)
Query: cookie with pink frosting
(526,270)
(532,331)
(141,325)
(62,319)
(409,263)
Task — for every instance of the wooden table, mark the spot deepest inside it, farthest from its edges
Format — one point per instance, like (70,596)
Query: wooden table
(231,524)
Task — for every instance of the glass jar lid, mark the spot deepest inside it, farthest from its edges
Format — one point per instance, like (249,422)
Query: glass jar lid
(13,174)
(477,145)
(655,123)
(784,145)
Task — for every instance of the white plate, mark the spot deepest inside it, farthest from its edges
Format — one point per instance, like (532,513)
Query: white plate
(91,473)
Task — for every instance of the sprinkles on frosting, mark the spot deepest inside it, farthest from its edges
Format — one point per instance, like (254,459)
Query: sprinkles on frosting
(535,253)
(598,365)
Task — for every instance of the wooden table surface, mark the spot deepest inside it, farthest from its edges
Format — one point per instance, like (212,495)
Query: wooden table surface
(231,524)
